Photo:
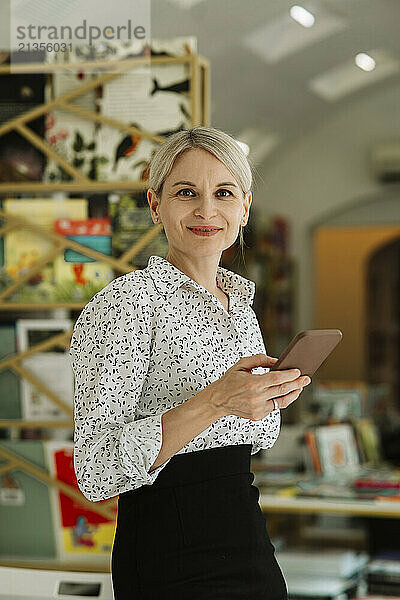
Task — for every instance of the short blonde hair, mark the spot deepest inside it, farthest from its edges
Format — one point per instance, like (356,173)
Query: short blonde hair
(217,142)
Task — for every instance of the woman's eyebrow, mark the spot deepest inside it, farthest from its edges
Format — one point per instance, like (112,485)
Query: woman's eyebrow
(194,185)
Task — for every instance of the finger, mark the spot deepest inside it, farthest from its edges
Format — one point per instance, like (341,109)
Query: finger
(271,360)
(284,401)
(277,391)
(279,377)
(254,361)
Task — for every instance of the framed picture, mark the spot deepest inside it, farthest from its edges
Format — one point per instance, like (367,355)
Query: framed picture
(52,367)
(337,449)
(339,400)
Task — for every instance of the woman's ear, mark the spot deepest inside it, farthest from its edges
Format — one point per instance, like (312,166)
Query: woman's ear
(153,201)
(247,200)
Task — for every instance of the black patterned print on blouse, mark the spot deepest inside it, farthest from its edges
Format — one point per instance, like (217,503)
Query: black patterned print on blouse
(148,341)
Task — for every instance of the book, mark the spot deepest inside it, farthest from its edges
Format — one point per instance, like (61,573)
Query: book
(311,443)
(23,248)
(79,532)
(318,587)
(131,220)
(77,274)
(325,562)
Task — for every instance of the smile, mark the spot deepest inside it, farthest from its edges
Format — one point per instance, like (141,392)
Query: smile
(206,231)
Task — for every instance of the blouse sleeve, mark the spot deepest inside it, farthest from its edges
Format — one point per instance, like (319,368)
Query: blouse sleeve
(110,352)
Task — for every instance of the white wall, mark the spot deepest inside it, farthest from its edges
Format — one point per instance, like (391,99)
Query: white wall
(326,173)
(323,173)
(4,24)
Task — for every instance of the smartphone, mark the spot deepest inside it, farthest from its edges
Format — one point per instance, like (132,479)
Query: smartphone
(308,350)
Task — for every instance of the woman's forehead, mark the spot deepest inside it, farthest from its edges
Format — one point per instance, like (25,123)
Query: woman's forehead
(199,163)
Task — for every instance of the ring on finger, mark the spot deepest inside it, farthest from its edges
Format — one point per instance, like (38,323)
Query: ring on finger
(276,407)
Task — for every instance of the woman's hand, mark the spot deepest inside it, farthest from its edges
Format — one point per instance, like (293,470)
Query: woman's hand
(244,394)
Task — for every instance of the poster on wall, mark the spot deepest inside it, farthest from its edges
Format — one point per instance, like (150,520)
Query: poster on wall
(155,98)
(79,531)
(71,135)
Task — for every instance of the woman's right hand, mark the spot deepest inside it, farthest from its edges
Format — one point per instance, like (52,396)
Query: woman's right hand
(245,394)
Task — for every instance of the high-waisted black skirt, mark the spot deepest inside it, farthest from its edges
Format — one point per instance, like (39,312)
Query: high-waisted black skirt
(196,533)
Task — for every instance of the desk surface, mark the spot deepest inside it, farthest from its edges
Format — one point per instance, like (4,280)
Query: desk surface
(8,597)
(57,564)
(295,504)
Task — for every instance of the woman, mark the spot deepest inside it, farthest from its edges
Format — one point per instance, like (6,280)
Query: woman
(167,409)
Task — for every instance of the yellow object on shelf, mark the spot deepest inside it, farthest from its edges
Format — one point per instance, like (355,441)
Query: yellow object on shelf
(288,491)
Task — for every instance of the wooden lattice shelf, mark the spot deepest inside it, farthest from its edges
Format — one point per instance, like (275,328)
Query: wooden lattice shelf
(198,94)
(200,110)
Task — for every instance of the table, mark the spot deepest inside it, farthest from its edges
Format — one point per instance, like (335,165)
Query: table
(296,504)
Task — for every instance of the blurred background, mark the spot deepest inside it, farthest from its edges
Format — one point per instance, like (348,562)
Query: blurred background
(312,92)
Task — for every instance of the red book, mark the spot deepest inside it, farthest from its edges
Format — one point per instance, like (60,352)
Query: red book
(374,483)
(313,449)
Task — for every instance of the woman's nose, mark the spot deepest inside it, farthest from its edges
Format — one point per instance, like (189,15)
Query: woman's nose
(207,205)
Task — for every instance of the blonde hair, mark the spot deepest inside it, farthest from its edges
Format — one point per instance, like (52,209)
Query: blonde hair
(217,142)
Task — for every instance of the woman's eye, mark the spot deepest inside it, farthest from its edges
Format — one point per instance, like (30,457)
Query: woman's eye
(184,190)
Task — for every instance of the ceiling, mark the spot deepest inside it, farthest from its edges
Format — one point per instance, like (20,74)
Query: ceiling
(249,91)
(260,92)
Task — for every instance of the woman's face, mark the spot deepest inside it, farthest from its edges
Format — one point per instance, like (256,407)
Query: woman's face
(200,191)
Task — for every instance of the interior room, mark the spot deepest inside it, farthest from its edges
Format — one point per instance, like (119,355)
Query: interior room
(309,94)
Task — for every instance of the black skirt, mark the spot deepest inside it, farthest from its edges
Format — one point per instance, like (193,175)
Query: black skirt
(196,533)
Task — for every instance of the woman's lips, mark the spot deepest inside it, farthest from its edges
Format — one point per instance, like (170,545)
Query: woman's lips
(204,233)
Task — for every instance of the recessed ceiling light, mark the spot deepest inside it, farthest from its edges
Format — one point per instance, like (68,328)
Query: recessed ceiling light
(302,16)
(348,77)
(365,62)
(282,36)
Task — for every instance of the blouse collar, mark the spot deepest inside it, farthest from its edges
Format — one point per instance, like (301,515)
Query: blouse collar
(168,279)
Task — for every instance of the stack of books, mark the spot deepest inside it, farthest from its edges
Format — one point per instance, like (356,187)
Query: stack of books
(383,577)
(323,574)
(380,484)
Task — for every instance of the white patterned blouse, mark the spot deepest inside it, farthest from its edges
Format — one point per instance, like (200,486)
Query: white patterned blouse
(146,342)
